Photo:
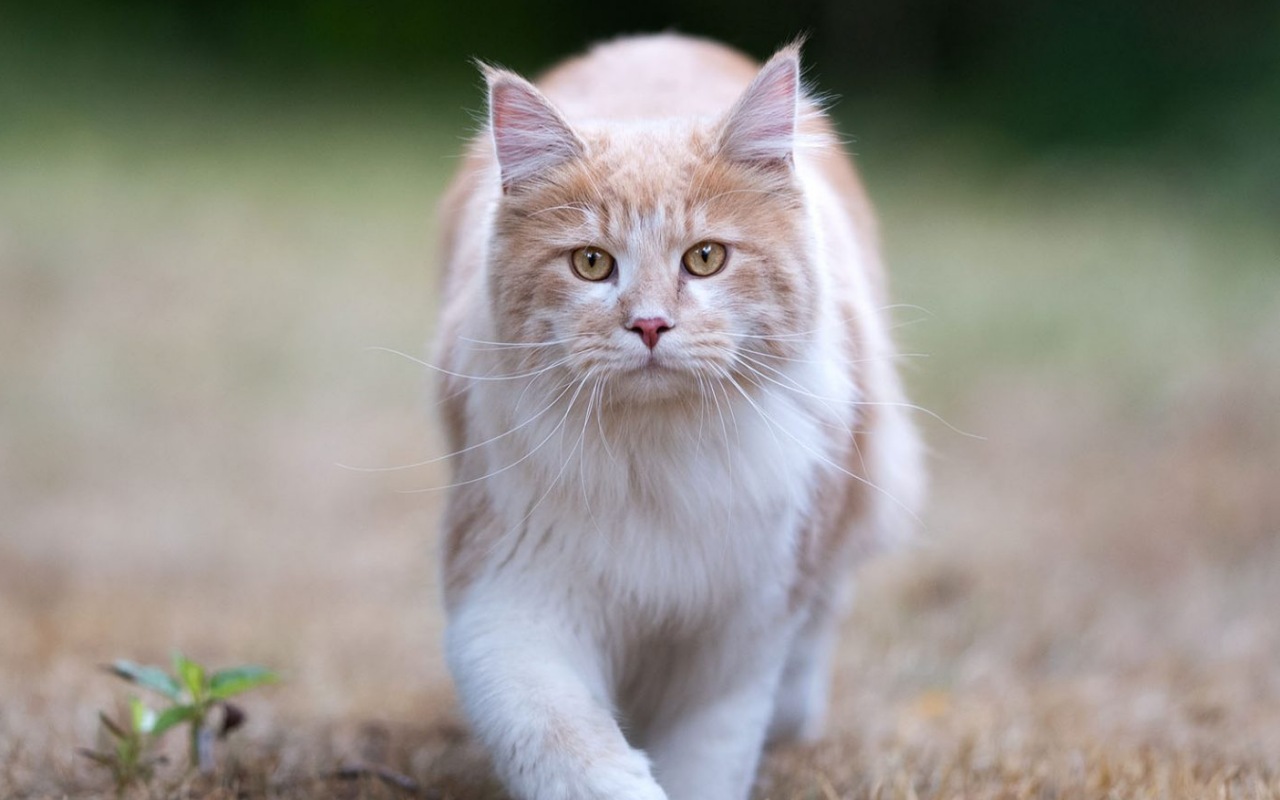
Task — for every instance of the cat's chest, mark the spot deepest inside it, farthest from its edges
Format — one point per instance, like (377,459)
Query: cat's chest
(683,516)
(691,469)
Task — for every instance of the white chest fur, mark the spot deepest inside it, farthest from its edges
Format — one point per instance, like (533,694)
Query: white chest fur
(676,514)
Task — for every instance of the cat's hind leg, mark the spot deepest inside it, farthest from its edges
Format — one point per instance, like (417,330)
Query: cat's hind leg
(708,744)
(800,702)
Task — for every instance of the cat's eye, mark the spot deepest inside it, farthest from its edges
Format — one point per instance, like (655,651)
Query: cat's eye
(705,259)
(591,263)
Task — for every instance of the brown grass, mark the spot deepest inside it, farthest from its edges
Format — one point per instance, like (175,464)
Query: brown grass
(184,308)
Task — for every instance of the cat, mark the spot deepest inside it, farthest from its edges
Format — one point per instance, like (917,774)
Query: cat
(675,418)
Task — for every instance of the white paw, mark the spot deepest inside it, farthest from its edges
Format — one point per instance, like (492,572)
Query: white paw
(630,780)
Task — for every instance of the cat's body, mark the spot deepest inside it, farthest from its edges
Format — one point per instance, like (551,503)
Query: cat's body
(662,479)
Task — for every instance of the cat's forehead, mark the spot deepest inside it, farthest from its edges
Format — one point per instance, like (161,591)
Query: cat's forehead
(645,164)
(658,181)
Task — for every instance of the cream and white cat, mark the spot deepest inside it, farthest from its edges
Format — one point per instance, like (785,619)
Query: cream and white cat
(675,418)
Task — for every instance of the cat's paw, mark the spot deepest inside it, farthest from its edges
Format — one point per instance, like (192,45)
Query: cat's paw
(650,791)
(606,787)
(628,779)
(618,776)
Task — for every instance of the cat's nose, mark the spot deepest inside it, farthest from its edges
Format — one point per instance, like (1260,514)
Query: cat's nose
(650,328)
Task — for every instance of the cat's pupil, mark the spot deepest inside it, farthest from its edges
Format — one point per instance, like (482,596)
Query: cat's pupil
(705,252)
(591,258)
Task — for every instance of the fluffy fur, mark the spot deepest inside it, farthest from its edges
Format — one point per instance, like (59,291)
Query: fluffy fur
(646,551)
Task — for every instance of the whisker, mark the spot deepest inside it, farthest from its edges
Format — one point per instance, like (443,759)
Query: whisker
(719,383)
(773,424)
(826,361)
(521,345)
(556,480)
(850,432)
(922,410)
(908,306)
(602,383)
(563,391)
(582,479)
(453,374)
(840,425)
(858,402)
(766,192)
(579,207)
(841,320)
(523,458)
(702,412)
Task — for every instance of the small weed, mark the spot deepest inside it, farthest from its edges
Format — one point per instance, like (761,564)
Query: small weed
(197,698)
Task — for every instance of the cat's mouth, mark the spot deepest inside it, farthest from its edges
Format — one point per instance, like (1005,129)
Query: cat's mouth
(655,363)
(662,371)
(658,378)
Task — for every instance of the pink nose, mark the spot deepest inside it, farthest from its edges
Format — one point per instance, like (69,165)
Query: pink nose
(650,328)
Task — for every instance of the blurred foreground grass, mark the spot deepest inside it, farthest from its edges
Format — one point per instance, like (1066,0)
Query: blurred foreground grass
(190,280)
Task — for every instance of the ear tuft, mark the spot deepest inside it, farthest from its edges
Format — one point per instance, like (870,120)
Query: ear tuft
(529,134)
(761,126)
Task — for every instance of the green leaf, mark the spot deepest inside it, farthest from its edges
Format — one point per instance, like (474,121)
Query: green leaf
(151,678)
(174,716)
(192,675)
(144,719)
(228,682)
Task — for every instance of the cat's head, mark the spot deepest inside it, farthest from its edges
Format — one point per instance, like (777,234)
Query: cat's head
(652,253)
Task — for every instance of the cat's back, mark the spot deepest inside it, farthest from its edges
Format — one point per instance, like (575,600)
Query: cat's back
(649,77)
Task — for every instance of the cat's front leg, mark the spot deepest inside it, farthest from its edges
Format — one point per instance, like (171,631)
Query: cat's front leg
(708,747)
(534,692)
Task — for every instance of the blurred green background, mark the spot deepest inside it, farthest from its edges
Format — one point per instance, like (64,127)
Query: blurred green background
(1194,81)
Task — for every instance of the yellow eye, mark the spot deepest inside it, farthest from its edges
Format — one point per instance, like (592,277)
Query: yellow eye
(705,259)
(591,263)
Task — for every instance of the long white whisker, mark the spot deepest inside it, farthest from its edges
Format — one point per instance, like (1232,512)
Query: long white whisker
(563,391)
(520,345)
(801,334)
(842,362)
(602,383)
(453,374)
(582,460)
(714,384)
(800,390)
(772,425)
(857,402)
(556,480)
(579,207)
(702,412)
(527,455)
(926,412)
(851,433)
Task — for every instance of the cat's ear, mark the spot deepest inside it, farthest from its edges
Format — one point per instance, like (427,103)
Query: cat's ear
(761,126)
(529,134)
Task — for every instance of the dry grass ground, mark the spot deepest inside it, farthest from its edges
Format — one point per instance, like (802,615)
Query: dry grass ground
(185,306)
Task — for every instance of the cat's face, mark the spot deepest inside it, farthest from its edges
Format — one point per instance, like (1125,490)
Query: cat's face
(653,259)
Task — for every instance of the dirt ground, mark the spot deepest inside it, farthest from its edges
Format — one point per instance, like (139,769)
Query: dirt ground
(186,312)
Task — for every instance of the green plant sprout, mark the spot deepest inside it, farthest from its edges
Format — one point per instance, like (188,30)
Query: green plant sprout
(124,747)
(195,694)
